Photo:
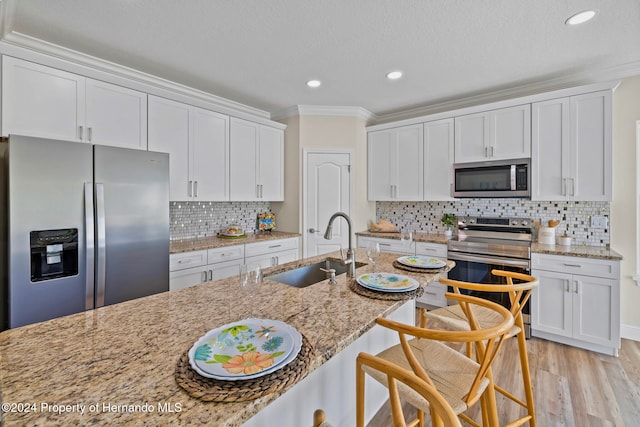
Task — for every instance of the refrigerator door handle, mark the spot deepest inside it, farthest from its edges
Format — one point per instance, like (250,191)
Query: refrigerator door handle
(101,246)
(89,243)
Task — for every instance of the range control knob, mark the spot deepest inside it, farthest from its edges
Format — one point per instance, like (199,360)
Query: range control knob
(525,223)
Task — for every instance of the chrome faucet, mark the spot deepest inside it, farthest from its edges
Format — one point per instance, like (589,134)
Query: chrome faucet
(350,259)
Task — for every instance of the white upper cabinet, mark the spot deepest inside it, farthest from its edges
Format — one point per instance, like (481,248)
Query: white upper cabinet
(396,163)
(197,141)
(256,162)
(571,148)
(493,135)
(49,103)
(438,158)
(115,115)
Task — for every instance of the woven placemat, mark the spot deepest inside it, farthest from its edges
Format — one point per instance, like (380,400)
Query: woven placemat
(211,390)
(400,266)
(388,296)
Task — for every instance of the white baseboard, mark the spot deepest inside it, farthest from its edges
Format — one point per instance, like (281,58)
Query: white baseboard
(630,332)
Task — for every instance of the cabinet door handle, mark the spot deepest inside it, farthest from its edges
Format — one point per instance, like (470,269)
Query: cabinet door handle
(195,188)
(573,186)
(567,287)
(486,151)
(89,134)
(577,287)
(80,132)
(492,151)
(190,188)
(204,276)
(210,275)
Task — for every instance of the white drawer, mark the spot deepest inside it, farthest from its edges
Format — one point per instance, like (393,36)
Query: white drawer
(227,253)
(184,260)
(437,250)
(270,246)
(576,265)
(388,245)
(434,295)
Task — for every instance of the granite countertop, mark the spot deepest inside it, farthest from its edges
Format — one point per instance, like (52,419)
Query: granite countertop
(211,242)
(597,252)
(103,360)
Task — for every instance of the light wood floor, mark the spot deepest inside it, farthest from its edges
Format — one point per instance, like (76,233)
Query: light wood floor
(572,387)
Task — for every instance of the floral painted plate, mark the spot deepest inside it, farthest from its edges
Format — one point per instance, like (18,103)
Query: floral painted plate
(244,350)
(418,261)
(387,282)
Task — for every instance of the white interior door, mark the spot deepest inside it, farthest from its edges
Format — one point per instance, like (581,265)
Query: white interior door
(327,190)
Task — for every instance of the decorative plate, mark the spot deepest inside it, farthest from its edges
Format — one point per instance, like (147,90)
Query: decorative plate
(387,282)
(244,350)
(266,221)
(233,235)
(418,261)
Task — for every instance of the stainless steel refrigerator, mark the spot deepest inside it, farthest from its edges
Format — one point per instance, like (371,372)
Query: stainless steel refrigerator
(85,226)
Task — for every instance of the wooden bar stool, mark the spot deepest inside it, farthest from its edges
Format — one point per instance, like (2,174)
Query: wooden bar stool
(462,381)
(398,378)
(454,317)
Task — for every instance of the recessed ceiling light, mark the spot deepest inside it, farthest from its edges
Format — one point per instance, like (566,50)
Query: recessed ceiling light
(394,75)
(580,17)
(314,83)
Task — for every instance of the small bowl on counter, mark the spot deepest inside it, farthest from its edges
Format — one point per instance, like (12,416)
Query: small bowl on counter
(564,240)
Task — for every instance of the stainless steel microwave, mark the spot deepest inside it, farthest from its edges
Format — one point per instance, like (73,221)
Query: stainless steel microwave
(499,178)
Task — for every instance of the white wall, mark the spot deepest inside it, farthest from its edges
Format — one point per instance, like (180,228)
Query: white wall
(323,132)
(624,214)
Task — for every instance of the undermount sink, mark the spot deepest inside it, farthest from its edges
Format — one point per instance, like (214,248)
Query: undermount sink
(302,277)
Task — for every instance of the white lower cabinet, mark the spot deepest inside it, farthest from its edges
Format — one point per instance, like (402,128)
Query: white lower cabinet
(272,252)
(192,268)
(388,245)
(434,293)
(577,302)
(187,269)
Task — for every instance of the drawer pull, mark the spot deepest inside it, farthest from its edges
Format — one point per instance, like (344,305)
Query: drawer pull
(431,293)
(274,246)
(384,244)
(573,265)
(184,261)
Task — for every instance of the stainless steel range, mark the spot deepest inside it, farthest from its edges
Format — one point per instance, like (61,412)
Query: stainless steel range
(483,244)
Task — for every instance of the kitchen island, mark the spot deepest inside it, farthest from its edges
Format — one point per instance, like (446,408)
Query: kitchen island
(116,365)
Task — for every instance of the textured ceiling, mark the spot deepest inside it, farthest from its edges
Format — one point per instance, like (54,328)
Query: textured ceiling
(261,52)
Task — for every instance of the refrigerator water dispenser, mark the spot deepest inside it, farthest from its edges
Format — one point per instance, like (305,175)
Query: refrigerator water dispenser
(54,254)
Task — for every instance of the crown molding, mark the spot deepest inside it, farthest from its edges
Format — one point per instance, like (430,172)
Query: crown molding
(583,78)
(223,105)
(324,110)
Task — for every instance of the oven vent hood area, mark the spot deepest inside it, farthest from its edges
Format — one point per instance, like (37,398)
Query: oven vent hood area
(492,179)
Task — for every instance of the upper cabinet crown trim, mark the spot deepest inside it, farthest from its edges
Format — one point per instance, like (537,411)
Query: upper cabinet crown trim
(41,52)
(458,108)
(325,110)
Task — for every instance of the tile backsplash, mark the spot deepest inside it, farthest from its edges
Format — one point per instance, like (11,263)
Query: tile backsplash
(575,217)
(199,219)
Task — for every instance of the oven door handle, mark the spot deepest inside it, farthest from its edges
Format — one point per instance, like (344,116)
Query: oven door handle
(456,256)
